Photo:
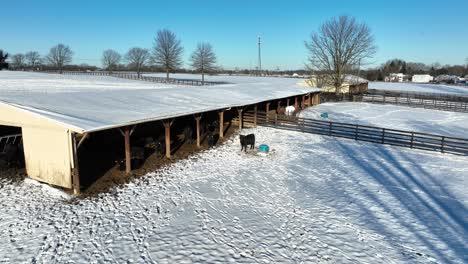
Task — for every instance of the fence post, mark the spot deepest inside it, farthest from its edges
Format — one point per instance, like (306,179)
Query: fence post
(356,132)
(330,129)
(412,139)
(383,135)
(442,145)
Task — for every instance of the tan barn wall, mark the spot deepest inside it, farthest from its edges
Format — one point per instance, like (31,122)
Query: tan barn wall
(48,155)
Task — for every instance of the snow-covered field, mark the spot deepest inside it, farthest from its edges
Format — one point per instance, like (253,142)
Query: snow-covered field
(45,82)
(313,199)
(422,88)
(396,117)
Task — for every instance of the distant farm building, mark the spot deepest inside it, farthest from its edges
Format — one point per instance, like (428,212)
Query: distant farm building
(445,78)
(352,84)
(422,78)
(395,77)
(54,121)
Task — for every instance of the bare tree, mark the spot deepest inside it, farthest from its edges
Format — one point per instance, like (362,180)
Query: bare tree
(137,58)
(203,59)
(338,47)
(167,51)
(33,58)
(110,59)
(59,56)
(3,59)
(18,61)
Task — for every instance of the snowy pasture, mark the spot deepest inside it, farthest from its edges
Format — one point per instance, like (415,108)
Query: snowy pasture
(418,87)
(313,199)
(395,117)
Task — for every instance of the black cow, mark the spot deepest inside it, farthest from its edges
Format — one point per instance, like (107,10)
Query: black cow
(246,141)
(188,135)
(137,157)
(210,139)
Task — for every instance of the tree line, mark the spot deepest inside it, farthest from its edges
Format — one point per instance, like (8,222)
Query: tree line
(412,68)
(166,55)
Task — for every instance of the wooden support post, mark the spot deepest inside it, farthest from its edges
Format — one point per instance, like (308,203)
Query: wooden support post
(278,108)
(267,111)
(197,119)
(255,116)
(303,102)
(287,102)
(221,124)
(239,110)
(167,126)
(296,103)
(128,156)
(75,167)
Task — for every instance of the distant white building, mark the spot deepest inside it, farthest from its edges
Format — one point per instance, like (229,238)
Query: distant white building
(395,77)
(422,78)
(447,78)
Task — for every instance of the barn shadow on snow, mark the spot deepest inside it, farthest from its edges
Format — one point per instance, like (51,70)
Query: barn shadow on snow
(440,212)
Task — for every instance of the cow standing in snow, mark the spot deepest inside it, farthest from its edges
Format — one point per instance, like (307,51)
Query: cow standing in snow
(246,141)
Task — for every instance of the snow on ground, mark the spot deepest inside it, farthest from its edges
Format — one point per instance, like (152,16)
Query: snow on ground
(395,117)
(51,82)
(418,87)
(313,199)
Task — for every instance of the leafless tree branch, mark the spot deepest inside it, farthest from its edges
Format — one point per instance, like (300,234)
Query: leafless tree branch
(203,59)
(339,46)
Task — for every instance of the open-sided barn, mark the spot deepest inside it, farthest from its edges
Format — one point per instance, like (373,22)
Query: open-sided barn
(56,118)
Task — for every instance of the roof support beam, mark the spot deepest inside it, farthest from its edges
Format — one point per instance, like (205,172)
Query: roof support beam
(239,111)
(197,120)
(83,138)
(167,126)
(267,110)
(221,124)
(255,116)
(128,154)
(75,168)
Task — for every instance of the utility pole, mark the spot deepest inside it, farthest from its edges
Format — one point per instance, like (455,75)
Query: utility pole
(259,58)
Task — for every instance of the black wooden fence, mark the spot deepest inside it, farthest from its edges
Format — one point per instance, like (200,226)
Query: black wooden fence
(422,95)
(437,104)
(133,76)
(401,138)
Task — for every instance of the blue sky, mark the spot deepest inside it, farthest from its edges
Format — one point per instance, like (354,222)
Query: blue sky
(420,31)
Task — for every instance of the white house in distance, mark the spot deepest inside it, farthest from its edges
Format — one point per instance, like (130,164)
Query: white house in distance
(395,77)
(445,78)
(422,78)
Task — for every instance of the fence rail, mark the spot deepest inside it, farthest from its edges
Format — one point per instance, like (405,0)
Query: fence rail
(422,95)
(133,76)
(401,138)
(445,105)
(10,139)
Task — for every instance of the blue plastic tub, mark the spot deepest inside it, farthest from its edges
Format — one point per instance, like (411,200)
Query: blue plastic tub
(263,148)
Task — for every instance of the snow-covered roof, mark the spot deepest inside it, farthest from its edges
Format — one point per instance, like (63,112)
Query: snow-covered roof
(87,104)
